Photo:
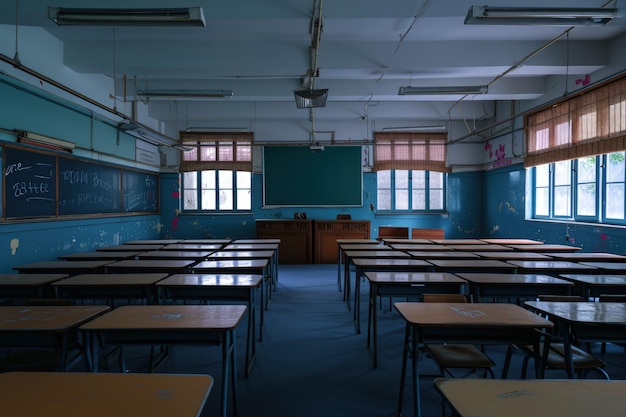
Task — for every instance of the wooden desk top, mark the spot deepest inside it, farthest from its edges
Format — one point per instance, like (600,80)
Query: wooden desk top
(152,264)
(232,263)
(255,241)
(102,255)
(583,312)
(76,394)
(363,247)
(555,266)
(537,397)
(391,263)
(599,279)
(589,257)
(514,255)
(161,242)
(207,241)
(211,280)
(358,241)
(472,263)
(175,254)
(484,247)
(46,318)
(469,314)
(199,318)
(373,254)
(192,247)
(104,280)
(545,248)
(459,241)
(241,254)
(531,279)
(25,280)
(62,266)
(449,254)
(251,246)
(129,248)
(413,277)
(508,241)
(397,241)
(426,247)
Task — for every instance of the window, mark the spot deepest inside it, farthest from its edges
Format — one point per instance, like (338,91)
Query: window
(216,172)
(410,171)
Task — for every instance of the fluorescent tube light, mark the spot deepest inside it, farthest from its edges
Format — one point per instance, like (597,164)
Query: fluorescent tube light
(46,140)
(311,98)
(154,138)
(454,90)
(185,94)
(551,16)
(181,16)
(415,128)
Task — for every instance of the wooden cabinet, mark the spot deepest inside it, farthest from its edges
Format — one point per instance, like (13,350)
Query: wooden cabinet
(326,233)
(296,239)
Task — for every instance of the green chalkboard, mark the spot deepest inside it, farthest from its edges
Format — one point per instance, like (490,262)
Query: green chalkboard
(141,191)
(298,177)
(88,188)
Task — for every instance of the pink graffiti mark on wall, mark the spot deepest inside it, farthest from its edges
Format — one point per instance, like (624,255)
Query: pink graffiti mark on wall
(584,81)
(175,194)
(488,147)
(175,224)
(500,153)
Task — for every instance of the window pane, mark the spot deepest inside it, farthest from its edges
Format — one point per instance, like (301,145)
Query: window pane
(419,200)
(190,180)
(208,179)
(226,152)
(384,199)
(225,179)
(419,179)
(586,200)
(402,199)
(402,179)
(244,153)
(191,155)
(587,169)
(436,179)
(208,200)
(244,200)
(208,153)
(615,167)
(226,200)
(562,173)
(542,175)
(562,201)
(244,179)
(542,202)
(190,191)
(615,201)
(436,199)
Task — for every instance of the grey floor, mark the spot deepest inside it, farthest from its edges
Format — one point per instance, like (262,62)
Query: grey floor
(311,362)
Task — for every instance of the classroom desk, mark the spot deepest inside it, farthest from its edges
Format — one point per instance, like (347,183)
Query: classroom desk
(26,286)
(483,247)
(99,256)
(459,241)
(446,254)
(161,242)
(395,241)
(514,255)
(545,248)
(216,287)
(419,247)
(129,248)
(514,286)
(597,284)
(207,241)
(192,247)
(480,323)
(552,267)
(404,284)
(259,240)
(44,327)
(344,245)
(172,324)
(64,267)
(110,287)
(239,266)
(589,257)
(539,398)
(170,266)
(607,267)
(585,321)
(193,255)
(363,265)
(273,246)
(472,265)
(508,241)
(79,394)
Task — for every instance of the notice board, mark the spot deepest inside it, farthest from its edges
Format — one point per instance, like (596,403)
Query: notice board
(299,177)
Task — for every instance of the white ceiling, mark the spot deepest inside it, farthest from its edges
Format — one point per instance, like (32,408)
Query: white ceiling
(260,49)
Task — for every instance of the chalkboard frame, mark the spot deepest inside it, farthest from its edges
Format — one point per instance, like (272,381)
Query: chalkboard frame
(113,197)
(296,176)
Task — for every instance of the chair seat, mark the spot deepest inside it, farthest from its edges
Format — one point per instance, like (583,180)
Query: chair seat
(580,358)
(459,356)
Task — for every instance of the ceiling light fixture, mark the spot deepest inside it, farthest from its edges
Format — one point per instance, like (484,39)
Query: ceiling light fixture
(152,137)
(311,98)
(551,16)
(453,90)
(185,94)
(182,16)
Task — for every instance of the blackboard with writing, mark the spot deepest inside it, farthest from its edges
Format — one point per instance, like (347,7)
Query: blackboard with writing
(88,188)
(30,184)
(141,191)
(45,184)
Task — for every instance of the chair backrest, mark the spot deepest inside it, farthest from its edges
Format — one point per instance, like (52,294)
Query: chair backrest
(615,298)
(427,234)
(392,232)
(566,298)
(344,217)
(445,298)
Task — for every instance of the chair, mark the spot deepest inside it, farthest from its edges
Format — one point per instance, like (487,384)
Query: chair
(449,356)
(392,232)
(427,234)
(551,355)
(344,217)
